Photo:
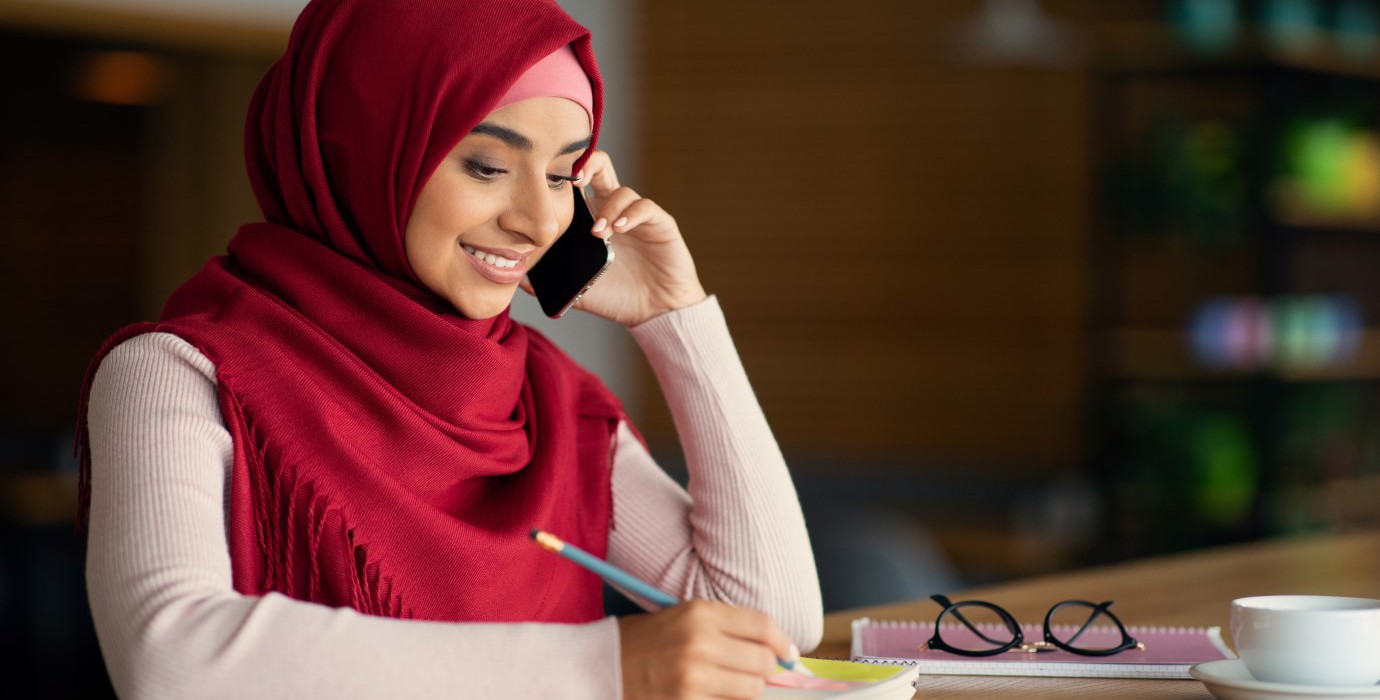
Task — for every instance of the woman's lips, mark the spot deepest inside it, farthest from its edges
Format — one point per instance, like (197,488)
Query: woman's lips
(498,265)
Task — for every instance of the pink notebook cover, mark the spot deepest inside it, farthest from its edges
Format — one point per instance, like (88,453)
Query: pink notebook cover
(1169,651)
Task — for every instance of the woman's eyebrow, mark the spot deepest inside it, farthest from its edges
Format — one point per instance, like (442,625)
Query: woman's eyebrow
(580,145)
(520,142)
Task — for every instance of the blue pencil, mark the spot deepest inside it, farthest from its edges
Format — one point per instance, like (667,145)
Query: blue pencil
(622,579)
(607,571)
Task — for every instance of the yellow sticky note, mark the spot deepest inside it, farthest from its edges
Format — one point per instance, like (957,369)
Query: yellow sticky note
(849,671)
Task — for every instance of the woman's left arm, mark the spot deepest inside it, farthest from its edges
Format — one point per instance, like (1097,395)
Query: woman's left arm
(738,536)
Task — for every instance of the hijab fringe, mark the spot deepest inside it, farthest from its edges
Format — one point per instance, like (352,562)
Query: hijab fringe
(370,592)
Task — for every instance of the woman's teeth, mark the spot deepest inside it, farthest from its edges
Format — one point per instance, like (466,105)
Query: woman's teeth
(488,258)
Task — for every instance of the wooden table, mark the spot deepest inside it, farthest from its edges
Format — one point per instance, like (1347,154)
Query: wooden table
(1192,589)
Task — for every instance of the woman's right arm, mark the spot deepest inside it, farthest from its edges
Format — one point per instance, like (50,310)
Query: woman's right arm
(170,623)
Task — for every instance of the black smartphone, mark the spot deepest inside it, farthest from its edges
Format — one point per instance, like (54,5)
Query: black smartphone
(573,264)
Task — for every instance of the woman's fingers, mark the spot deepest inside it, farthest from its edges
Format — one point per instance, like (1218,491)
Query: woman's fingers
(599,177)
(639,212)
(615,208)
(614,202)
(744,625)
(756,627)
(742,656)
(705,681)
(698,649)
(599,173)
(625,210)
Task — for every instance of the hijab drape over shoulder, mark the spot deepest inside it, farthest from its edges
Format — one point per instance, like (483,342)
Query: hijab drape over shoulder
(389,454)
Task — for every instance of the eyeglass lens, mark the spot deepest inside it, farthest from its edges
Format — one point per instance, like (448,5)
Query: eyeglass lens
(1083,626)
(974,627)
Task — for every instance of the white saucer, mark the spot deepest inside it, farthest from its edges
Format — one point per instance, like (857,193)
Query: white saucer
(1228,679)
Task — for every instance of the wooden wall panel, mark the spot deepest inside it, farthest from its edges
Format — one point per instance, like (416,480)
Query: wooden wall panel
(199,192)
(107,208)
(898,240)
(70,198)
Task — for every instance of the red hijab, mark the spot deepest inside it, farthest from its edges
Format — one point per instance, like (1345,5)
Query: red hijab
(389,454)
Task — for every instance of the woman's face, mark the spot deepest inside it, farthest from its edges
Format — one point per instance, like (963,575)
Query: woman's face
(497,203)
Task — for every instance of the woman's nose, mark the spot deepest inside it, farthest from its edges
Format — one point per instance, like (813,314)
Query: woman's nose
(533,213)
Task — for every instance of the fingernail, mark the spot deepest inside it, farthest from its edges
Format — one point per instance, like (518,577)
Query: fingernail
(620,222)
(795,654)
(600,224)
(580,176)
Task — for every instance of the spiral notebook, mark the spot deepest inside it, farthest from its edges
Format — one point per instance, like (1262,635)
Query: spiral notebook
(1169,652)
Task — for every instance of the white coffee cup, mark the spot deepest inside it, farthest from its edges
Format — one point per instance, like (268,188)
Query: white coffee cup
(1308,639)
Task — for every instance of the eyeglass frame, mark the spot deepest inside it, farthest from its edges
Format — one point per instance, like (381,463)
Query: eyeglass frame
(1018,643)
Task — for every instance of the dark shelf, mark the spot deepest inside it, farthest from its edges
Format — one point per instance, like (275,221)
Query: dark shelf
(1168,434)
(1157,53)
(1163,355)
(1330,227)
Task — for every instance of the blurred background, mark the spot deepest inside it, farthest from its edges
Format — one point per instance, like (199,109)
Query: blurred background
(1021,285)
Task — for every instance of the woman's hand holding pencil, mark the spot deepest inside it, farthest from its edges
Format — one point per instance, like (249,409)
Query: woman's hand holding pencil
(700,649)
(696,649)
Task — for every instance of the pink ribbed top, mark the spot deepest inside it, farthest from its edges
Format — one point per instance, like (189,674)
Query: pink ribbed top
(171,625)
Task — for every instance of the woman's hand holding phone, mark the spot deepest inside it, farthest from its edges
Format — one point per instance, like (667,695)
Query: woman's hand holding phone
(653,272)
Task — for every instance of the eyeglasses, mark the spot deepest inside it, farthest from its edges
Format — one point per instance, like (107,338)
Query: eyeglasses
(987,638)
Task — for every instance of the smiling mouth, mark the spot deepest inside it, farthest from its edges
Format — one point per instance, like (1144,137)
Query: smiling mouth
(495,260)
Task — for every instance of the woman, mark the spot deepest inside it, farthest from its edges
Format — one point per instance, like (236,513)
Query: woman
(314,476)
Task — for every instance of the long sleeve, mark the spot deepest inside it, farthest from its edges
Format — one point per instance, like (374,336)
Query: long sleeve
(169,622)
(739,535)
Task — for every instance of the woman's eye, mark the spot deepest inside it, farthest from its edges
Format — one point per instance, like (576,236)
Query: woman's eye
(482,171)
(558,181)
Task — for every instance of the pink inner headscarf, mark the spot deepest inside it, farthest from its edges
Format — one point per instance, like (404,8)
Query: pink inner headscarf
(557,75)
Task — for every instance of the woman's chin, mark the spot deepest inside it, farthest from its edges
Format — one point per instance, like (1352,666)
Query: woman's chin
(481,309)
